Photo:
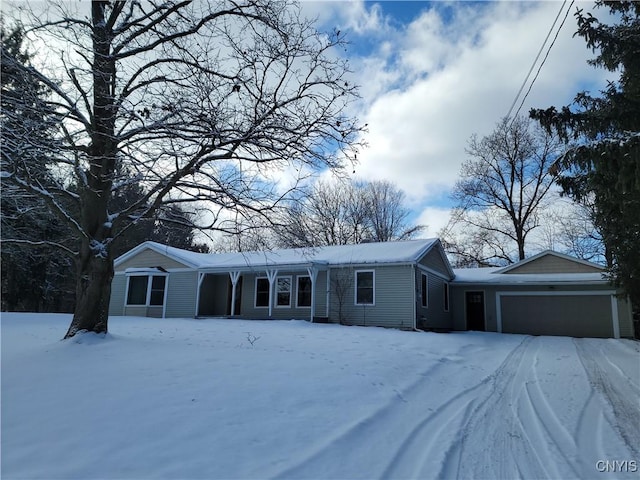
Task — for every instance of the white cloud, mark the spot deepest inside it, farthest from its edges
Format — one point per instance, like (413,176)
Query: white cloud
(444,80)
(435,218)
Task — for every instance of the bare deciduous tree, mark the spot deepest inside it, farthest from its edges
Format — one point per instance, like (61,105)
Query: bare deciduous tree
(500,194)
(201,101)
(346,213)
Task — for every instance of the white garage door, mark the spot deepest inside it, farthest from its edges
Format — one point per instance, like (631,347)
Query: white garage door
(569,315)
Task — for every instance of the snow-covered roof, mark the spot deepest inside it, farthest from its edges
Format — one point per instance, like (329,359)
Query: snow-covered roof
(495,275)
(552,253)
(361,254)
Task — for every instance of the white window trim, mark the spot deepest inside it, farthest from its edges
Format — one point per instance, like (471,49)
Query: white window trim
(424,299)
(446,298)
(255,293)
(297,289)
(149,276)
(275,293)
(355,290)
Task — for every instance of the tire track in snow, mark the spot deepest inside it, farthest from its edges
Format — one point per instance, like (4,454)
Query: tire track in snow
(620,392)
(505,422)
(523,431)
(589,434)
(424,441)
(334,452)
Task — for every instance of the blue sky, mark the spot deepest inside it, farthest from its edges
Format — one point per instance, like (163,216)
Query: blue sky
(434,73)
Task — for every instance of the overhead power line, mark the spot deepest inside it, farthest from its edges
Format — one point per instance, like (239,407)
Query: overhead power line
(538,56)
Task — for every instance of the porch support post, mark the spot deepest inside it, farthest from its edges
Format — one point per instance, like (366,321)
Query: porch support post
(234,281)
(313,275)
(271,276)
(200,280)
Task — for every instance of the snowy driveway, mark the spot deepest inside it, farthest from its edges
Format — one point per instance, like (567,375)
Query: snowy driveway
(528,419)
(197,399)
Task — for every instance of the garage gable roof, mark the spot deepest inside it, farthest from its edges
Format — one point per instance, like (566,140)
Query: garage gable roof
(547,267)
(552,262)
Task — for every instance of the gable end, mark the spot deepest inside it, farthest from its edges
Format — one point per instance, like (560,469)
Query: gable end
(149,258)
(551,263)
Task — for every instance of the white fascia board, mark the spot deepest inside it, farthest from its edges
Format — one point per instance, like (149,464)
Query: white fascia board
(533,283)
(156,247)
(260,268)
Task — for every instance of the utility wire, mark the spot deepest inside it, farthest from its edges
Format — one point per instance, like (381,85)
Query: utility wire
(545,57)
(537,57)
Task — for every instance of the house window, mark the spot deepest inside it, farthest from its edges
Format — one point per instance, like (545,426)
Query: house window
(304,292)
(283,292)
(446,297)
(262,292)
(424,290)
(146,290)
(365,287)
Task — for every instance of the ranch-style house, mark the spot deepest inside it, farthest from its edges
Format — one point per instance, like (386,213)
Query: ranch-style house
(406,284)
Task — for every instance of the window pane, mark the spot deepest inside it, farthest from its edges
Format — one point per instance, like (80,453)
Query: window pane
(262,292)
(157,290)
(283,290)
(364,288)
(304,291)
(137,290)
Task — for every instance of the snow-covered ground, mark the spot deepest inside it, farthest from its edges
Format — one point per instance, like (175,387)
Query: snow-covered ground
(212,399)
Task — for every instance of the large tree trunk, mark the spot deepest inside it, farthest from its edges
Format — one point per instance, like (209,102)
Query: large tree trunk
(95,262)
(93,290)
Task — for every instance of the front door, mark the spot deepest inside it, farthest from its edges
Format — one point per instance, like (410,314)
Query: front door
(475,311)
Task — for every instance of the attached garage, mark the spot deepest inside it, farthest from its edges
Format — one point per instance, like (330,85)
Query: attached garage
(548,294)
(584,314)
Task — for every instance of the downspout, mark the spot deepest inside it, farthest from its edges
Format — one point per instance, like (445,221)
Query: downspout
(327,309)
(164,298)
(415,297)
(313,275)
(200,280)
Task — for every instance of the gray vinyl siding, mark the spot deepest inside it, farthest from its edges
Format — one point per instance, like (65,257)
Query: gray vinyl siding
(149,258)
(394,297)
(433,260)
(116,302)
(181,294)
(248,309)
(433,316)
(180,297)
(457,303)
(143,311)
(625,318)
